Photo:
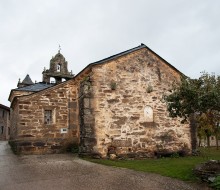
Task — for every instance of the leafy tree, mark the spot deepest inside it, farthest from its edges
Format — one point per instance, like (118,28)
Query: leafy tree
(197,100)
(205,126)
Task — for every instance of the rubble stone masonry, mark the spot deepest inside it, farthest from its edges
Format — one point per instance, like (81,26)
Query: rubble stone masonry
(30,132)
(112,108)
(124,112)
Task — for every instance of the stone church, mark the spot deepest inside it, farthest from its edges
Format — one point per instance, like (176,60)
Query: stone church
(113,106)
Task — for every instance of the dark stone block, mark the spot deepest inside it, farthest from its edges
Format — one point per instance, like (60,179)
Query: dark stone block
(28,149)
(90,154)
(40,144)
(74,116)
(131,154)
(89,141)
(121,143)
(163,153)
(127,96)
(160,110)
(72,126)
(25,143)
(74,132)
(75,140)
(149,124)
(55,147)
(115,127)
(107,91)
(86,103)
(73,105)
(87,111)
(111,150)
(120,121)
(113,101)
(139,133)
(125,100)
(48,135)
(144,140)
(26,136)
(89,119)
(134,118)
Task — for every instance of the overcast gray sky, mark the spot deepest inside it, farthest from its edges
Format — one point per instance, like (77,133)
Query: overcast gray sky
(186,33)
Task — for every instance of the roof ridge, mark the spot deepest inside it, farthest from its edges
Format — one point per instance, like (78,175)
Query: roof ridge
(120,54)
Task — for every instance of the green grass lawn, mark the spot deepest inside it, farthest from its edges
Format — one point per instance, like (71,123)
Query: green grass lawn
(180,168)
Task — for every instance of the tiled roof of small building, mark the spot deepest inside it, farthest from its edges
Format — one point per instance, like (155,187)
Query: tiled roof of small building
(35,87)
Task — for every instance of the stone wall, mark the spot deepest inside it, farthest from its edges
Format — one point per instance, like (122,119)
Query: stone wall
(4,124)
(16,93)
(32,134)
(130,116)
(87,120)
(14,118)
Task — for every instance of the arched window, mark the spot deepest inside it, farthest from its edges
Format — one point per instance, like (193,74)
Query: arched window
(2,129)
(58,68)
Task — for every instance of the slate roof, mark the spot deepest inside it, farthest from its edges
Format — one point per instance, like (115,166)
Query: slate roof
(27,80)
(35,87)
(4,107)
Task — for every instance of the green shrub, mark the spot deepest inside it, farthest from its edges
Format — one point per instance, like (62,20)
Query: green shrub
(113,85)
(175,155)
(216,183)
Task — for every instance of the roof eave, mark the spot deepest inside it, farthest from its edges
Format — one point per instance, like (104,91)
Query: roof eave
(4,107)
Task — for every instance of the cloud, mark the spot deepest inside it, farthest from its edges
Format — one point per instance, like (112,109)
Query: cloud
(185,33)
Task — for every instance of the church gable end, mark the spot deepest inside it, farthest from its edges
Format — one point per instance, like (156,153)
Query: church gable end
(129,116)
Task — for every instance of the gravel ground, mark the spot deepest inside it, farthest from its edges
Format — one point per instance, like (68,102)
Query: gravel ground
(63,171)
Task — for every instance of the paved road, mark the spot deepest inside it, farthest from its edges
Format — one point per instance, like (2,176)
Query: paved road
(61,171)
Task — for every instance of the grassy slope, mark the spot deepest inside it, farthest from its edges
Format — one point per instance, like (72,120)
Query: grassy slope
(180,168)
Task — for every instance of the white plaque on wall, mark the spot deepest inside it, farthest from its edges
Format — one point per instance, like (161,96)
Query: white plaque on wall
(148,114)
(63,130)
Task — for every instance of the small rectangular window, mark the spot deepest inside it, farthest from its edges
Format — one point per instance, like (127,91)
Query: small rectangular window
(3,113)
(48,117)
